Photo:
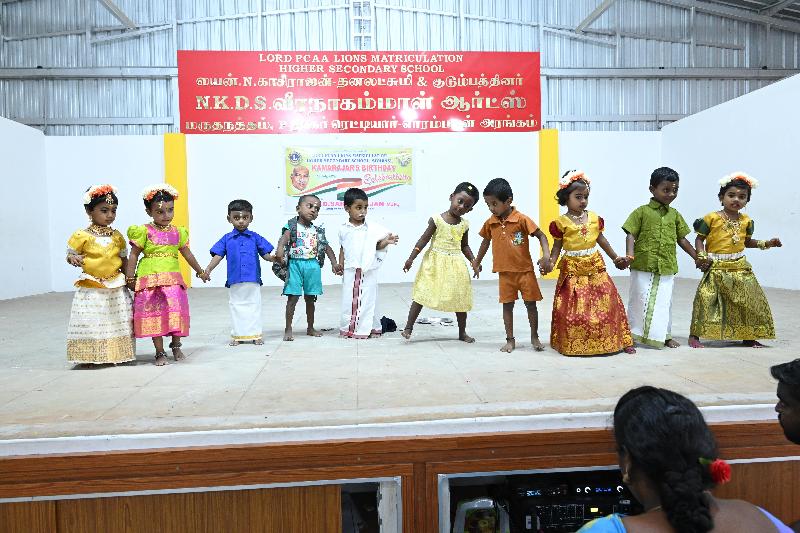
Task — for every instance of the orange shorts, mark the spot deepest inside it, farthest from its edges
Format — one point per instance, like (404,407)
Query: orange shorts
(512,283)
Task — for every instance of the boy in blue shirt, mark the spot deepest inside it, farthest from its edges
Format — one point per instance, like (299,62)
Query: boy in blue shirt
(242,248)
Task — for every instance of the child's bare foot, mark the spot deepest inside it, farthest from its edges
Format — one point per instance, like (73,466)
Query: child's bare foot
(234,342)
(694,342)
(629,349)
(509,346)
(671,343)
(287,334)
(466,338)
(258,342)
(161,358)
(537,344)
(753,344)
(311,332)
(406,333)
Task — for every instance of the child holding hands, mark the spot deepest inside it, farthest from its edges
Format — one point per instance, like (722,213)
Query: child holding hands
(588,315)
(729,303)
(242,248)
(160,307)
(100,322)
(508,231)
(442,282)
(362,249)
(303,248)
(652,232)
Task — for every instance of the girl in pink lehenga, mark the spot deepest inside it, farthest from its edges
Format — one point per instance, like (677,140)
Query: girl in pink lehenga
(160,307)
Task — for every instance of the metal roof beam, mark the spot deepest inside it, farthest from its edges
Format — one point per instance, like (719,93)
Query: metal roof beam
(649,117)
(130,34)
(118,13)
(76,73)
(92,121)
(643,73)
(670,73)
(773,10)
(731,13)
(594,15)
(581,36)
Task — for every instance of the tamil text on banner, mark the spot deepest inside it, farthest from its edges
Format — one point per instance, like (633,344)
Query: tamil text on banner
(364,92)
(383,173)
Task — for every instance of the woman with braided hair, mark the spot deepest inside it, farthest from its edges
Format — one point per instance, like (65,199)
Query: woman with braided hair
(668,458)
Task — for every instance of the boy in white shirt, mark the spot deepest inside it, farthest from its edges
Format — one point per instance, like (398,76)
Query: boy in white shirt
(361,252)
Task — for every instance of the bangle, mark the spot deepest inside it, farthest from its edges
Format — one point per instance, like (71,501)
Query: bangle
(702,255)
(417,249)
(130,279)
(762,245)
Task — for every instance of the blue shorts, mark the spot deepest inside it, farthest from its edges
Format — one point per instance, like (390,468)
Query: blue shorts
(305,277)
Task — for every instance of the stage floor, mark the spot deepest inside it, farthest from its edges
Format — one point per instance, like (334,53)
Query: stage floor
(331,381)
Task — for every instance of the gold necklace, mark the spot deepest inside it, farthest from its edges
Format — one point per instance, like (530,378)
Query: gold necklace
(162,228)
(733,227)
(100,231)
(656,508)
(584,230)
(576,218)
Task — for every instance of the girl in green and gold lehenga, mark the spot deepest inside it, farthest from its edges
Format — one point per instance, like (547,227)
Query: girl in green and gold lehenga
(729,303)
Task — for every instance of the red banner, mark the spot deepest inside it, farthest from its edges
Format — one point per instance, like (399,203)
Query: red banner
(358,92)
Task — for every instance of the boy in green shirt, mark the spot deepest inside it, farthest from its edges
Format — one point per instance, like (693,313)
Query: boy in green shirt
(652,231)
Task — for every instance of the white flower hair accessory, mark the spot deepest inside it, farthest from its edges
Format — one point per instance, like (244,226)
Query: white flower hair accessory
(100,190)
(573,175)
(151,190)
(751,181)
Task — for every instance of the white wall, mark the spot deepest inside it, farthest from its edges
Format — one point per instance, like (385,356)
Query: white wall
(25,269)
(751,133)
(130,163)
(224,167)
(619,165)
(755,133)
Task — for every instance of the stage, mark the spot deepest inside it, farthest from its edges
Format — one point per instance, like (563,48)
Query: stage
(332,387)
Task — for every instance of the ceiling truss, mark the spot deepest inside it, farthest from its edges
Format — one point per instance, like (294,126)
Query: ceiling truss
(767,16)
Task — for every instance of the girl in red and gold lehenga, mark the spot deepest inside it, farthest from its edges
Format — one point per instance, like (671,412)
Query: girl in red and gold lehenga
(588,315)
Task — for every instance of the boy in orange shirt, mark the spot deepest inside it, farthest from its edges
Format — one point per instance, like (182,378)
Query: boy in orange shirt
(508,230)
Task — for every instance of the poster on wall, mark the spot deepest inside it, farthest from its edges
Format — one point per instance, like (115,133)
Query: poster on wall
(383,173)
(223,92)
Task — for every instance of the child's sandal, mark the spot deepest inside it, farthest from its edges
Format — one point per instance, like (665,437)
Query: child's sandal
(177,354)
(161,358)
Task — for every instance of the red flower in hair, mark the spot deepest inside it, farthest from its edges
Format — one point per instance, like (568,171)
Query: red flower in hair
(720,471)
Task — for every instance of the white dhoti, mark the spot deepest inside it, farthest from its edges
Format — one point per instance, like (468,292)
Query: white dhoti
(650,307)
(101,326)
(360,316)
(245,303)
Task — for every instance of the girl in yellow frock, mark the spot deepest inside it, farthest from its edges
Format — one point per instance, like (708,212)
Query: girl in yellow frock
(729,303)
(442,282)
(100,327)
(588,315)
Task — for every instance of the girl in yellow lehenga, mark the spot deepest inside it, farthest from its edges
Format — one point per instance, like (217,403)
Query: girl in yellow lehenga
(729,303)
(101,320)
(442,281)
(588,315)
